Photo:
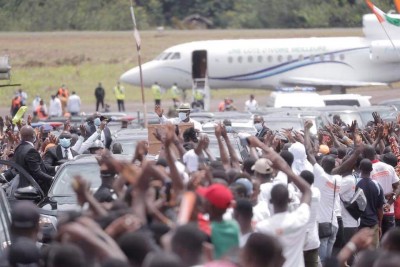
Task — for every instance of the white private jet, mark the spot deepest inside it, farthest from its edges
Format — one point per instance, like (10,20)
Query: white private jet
(333,63)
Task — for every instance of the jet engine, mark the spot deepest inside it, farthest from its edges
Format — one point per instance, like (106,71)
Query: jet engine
(385,51)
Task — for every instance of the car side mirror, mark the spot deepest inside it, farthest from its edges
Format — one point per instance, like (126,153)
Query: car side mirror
(27,193)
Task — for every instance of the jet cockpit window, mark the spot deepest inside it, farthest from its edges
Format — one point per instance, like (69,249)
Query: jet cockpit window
(160,56)
(176,56)
(166,56)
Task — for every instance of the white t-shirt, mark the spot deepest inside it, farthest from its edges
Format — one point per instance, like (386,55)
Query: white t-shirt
(243,239)
(251,105)
(385,175)
(326,183)
(191,160)
(290,228)
(312,238)
(261,212)
(338,207)
(347,190)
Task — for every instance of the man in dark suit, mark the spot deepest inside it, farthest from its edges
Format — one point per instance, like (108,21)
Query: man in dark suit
(259,124)
(29,158)
(93,124)
(59,154)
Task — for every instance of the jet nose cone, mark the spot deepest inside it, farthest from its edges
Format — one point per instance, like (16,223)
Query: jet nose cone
(131,77)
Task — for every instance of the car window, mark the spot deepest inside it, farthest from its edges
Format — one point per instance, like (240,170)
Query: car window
(342,102)
(89,171)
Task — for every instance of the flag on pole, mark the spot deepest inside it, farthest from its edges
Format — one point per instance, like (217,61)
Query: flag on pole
(136,34)
(382,16)
(397,4)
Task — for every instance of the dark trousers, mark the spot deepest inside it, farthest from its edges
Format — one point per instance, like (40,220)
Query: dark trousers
(311,258)
(397,222)
(387,223)
(339,238)
(121,106)
(98,102)
(348,233)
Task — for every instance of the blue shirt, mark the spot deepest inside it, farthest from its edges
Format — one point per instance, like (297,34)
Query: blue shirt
(375,200)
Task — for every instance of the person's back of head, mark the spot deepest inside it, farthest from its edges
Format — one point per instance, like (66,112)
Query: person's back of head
(390,158)
(162,260)
(287,156)
(341,152)
(307,176)
(247,164)
(369,152)
(135,246)
(387,149)
(328,164)
(67,255)
(391,240)
(117,148)
(187,243)
(239,191)
(279,197)
(23,252)
(365,167)
(243,210)
(262,250)
(24,220)
(388,260)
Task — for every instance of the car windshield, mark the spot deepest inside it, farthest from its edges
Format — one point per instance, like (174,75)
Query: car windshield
(347,118)
(89,171)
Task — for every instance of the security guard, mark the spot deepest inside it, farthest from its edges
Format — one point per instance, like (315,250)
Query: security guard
(176,92)
(119,92)
(156,89)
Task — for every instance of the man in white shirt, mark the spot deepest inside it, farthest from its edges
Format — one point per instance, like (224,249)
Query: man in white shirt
(329,186)
(36,102)
(289,227)
(183,116)
(74,104)
(311,244)
(346,193)
(386,176)
(55,108)
(251,104)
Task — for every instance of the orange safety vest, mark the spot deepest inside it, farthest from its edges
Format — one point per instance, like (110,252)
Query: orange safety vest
(63,92)
(16,102)
(40,112)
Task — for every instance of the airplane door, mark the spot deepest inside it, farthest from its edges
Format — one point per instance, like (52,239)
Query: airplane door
(199,64)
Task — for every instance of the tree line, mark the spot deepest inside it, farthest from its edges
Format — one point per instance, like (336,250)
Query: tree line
(55,15)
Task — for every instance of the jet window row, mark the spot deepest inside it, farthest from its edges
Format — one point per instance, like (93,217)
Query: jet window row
(169,56)
(280,58)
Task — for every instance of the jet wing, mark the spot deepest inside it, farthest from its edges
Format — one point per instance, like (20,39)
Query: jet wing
(327,83)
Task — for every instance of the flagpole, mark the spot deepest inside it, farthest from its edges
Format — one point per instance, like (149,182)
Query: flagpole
(381,20)
(138,46)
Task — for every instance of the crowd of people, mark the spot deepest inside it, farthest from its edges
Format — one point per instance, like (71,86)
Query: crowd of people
(298,199)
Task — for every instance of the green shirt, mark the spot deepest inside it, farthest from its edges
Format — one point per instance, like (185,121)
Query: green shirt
(224,236)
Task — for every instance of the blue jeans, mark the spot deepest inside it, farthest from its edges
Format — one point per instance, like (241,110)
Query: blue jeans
(325,249)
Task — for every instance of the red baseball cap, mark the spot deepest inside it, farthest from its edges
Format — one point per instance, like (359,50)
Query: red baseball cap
(217,194)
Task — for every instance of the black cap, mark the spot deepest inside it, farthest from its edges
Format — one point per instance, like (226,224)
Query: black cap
(24,215)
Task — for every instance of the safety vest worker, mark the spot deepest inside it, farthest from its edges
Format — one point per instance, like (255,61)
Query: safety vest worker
(119,92)
(156,89)
(198,95)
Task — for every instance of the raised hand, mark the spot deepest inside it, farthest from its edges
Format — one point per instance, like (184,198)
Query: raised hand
(218,130)
(81,188)
(377,118)
(308,124)
(82,129)
(29,120)
(67,126)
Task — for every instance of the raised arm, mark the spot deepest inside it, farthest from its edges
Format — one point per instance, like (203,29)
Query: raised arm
(223,155)
(235,163)
(307,142)
(280,164)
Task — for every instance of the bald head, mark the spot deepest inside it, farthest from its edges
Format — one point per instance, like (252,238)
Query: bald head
(27,134)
